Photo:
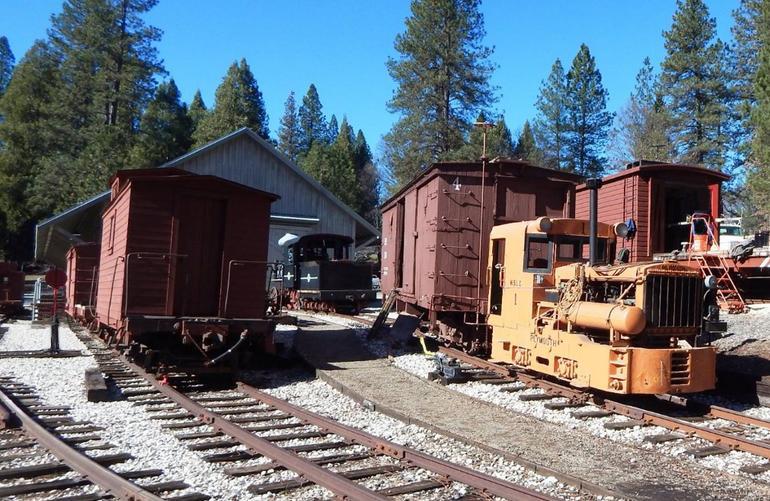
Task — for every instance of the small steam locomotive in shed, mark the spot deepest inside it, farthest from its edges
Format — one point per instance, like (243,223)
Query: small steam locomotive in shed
(320,274)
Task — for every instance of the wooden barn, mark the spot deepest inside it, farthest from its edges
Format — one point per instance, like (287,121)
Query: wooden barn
(658,197)
(304,207)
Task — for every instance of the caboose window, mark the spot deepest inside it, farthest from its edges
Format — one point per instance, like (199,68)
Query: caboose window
(538,255)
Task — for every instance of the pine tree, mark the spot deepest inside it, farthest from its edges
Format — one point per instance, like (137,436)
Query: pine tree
(743,68)
(443,74)
(695,85)
(32,128)
(165,131)
(108,65)
(333,129)
(641,130)
(587,119)
(312,122)
(368,179)
(289,131)
(197,110)
(758,181)
(238,103)
(526,147)
(499,142)
(551,122)
(6,64)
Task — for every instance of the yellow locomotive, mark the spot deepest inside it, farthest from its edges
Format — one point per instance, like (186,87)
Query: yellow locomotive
(619,328)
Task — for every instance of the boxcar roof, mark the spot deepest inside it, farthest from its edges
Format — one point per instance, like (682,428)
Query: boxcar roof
(145,176)
(509,166)
(654,167)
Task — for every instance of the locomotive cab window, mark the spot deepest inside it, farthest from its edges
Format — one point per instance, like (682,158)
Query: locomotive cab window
(575,249)
(538,256)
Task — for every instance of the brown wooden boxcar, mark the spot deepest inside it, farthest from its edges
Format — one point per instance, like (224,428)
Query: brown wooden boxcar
(183,257)
(658,196)
(11,288)
(82,270)
(435,237)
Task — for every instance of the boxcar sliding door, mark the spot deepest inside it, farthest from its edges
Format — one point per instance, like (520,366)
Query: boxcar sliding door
(200,234)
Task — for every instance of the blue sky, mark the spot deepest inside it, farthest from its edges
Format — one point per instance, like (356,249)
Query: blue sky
(342,46)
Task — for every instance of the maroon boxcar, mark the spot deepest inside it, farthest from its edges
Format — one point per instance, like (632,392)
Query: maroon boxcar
(658,196)
(182,265)
(11,288)
(435,237)
(82,270)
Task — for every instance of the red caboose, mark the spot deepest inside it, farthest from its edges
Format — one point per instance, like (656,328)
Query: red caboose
(183,266)
(82,270)
(11,288)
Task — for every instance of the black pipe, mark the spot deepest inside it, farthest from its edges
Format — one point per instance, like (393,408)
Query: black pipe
(235,347)
(593,186)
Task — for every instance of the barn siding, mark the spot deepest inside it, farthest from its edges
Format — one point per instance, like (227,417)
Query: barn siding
(244,161)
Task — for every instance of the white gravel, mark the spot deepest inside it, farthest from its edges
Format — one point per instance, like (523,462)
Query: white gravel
(317,396)
(420,365)
(745,327)
(22,335)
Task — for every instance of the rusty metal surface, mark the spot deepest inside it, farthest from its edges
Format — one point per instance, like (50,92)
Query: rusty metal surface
(432,228)
(311,471)
(166,240)
(450,471)
(103,477)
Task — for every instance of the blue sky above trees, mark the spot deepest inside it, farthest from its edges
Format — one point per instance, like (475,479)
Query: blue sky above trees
(342,47)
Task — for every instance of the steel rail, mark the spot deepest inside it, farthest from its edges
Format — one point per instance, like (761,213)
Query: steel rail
(100,475)
(453,472)
(338,484)
(516,374)
(718,437)
(731,441)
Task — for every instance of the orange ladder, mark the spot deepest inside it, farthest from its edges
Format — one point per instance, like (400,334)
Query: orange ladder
(713,264)
(728,296)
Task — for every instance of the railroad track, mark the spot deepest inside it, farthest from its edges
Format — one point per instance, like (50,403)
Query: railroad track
(683,418)
(297,450)
(49,429)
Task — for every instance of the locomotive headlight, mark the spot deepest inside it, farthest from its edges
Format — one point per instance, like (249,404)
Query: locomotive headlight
(544,224)
(620,229)
(710,282)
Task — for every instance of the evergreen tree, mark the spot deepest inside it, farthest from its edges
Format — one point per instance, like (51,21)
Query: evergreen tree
(333,129)
(499,142)
(759,175)
(443,74)
(332,166)
(197,110)
(551,122)
(695,86)
(312,122)
(641,131)
(165,131)
(6,64)
(108,65)
(743,69)
(289,131)
(526,148)
(238,103)
(31,129)
(368,179)
(587,119)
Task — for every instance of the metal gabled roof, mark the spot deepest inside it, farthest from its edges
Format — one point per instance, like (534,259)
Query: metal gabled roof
(245,131)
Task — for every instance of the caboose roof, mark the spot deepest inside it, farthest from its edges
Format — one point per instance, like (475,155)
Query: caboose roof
(653,167)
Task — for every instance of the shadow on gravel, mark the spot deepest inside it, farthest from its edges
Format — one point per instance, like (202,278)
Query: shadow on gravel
(669,492)
(327,349)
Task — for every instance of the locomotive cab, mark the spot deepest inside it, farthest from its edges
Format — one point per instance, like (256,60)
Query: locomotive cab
(632,329)
(321,274)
